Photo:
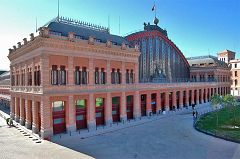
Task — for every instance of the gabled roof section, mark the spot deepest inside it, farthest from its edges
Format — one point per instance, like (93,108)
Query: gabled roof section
(205,61)
(83,30)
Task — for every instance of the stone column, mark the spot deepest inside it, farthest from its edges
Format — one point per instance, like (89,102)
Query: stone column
(22,111)
(159,103)
(108,109)
(109,72)
(187,98)
(28,108)
(197,97)
(123,72)
(17,108)
(44,70)
(166,99)
(35,122)
(91,120)
(91,72)
(71,114)
(180,99)
(174,100)
(26,75)
(136,107)
(149,105)
(123,110)
(206,95)
(192,94)
(12,107)
(70,74)
(46,118)
(33,68)
(202,98)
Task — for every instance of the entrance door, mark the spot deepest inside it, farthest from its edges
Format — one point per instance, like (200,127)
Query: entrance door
(59,123)
(129,107)
(81,114)
(154,103)
(116,109)
(143,104)
(99,111)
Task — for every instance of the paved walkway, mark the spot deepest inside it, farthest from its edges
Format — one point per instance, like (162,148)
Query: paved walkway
(168,137)
(13,144)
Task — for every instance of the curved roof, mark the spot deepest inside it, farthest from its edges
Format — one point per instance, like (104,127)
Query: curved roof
(150,33)
(84,30)
(206,60)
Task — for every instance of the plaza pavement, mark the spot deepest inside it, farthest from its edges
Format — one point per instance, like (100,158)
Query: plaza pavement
(14,145)
(167,137)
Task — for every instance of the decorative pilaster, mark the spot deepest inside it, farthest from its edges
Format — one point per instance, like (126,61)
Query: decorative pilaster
(109,72)
(108,109)
(159,103)
(70,71)
(28,108)
(202,96)
(136,107)
(44,69)
(192,96)
(17,109)
(166,99)
(91,120)
(91,72)
(180,99)
(187,98)
(123,113)
(35,114)
(136,71)
(149,104)
(197,97)
(46,117)
(71,114)
(174,99)
(22,111)
(123,70)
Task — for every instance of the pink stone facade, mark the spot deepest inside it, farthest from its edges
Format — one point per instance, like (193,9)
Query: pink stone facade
(49,106)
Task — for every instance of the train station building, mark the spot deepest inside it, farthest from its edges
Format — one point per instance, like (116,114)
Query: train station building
(76,75)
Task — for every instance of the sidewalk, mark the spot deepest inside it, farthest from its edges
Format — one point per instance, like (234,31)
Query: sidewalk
(85,133)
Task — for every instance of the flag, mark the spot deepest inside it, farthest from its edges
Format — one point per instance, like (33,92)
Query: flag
(153,8)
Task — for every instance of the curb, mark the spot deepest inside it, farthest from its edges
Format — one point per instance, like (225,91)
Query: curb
(212,134)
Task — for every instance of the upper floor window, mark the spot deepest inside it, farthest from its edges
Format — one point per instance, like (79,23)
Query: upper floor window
(97,76)
(235,65)
(54,75)
(37,78)
(78,75)
(127,76)
(131,77)
(29,76)
(236,82)
(23,78)
(236,74)
(62,75)
(102,76)
(84,75)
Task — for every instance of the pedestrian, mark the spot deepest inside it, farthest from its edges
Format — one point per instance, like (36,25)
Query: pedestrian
(193,114)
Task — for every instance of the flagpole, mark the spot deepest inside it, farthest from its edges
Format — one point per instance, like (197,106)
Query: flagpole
(155,9)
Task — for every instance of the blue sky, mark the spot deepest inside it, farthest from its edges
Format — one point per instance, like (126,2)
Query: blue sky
(197,27)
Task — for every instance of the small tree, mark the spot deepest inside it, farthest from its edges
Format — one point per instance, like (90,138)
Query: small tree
(216,100)
(230,102)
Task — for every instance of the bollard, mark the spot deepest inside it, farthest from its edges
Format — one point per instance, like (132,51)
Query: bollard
(70,133)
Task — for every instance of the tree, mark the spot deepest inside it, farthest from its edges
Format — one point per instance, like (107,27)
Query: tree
(216,100)
(230,102)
